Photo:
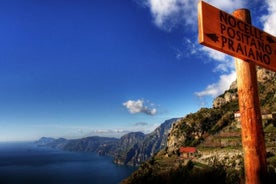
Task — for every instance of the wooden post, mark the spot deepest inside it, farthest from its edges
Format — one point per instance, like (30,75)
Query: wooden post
(251,119)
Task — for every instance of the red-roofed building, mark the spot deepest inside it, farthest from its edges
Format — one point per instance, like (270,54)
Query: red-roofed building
(187,152)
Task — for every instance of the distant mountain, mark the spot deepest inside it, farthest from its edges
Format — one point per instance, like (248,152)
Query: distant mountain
(52,142)
(44,141)
(135,148)
(100,145)
(131,149)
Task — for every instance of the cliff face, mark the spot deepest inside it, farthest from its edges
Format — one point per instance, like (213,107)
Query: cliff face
(228,96)
(129,148)
(135,148)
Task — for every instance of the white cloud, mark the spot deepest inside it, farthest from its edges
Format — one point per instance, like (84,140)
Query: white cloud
(135,127)
(169,13)
(145,128)
(224,63)
(269,19)
(214,54)
(141,124)
(227,5)
(139,106)
(103,133)
(218,88)
(109,131)
(134,106)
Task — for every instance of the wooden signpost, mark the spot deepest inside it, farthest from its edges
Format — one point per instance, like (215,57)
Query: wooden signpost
(234,35)
(226,33)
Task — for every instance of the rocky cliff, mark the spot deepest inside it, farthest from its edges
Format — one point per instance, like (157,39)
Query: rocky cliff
(128,150)
(135,148)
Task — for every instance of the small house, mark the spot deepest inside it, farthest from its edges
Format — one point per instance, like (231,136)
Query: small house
(187,152)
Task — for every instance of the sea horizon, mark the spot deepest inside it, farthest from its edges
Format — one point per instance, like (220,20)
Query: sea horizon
(25,162)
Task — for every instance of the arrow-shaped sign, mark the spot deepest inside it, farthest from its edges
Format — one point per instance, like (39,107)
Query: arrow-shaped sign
(213,37)
(270,40)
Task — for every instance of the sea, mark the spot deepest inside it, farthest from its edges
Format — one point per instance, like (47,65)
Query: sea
(27,163)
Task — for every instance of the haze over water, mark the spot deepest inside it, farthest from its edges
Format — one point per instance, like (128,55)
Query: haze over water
(27,163)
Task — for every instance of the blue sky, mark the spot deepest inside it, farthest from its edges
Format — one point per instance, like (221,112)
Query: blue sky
(73,68)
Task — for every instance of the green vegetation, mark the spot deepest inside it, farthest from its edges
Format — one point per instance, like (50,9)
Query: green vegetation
(267,95)
(207,121)
(270,129)
(272,160)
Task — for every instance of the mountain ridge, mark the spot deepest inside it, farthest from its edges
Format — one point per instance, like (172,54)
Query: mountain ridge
(131,149)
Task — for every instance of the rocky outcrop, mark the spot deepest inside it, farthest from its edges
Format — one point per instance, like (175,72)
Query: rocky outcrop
(219,102)
(230,95)
(264,75)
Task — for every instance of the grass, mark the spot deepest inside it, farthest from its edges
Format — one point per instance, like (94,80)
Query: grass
(272,161)
(270,129)
(199,165)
